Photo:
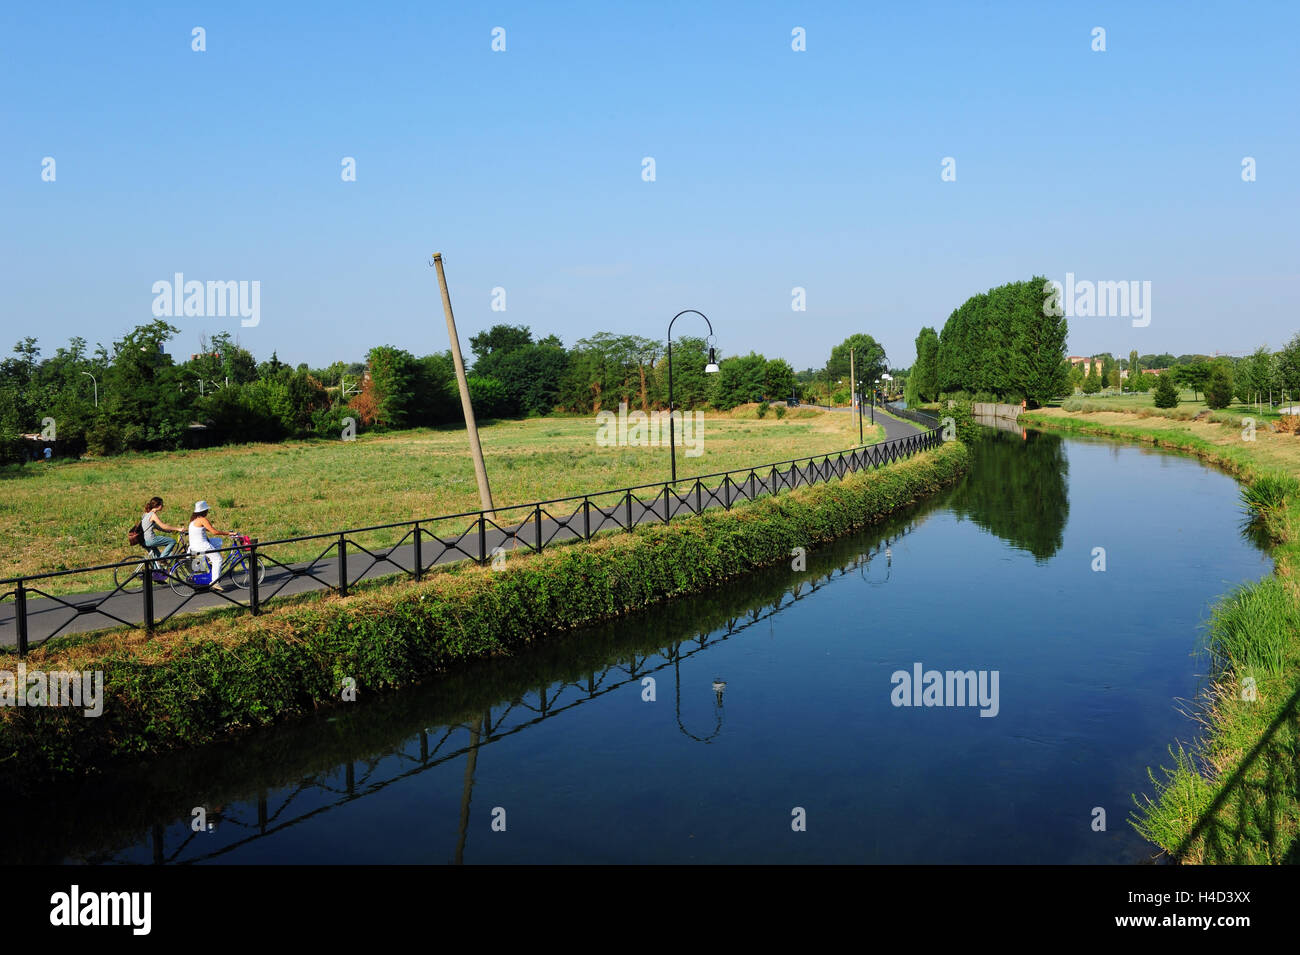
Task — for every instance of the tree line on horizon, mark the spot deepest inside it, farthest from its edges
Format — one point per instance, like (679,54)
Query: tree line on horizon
(1004,345)
(135,396)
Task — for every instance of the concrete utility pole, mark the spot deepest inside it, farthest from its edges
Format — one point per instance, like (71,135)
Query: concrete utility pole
(476,450)
(854,403)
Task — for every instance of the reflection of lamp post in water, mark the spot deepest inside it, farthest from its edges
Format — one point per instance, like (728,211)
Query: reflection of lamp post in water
(718,687)
(889,567)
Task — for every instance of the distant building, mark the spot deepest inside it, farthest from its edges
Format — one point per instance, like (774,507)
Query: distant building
(1081,362)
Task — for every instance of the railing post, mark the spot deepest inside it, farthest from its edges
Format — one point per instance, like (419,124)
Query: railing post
(482,538)
(667,509)
(726,492)
(20,614)
(343,566)
(751,485)
(537,516)
(698,506)
(254,593)
(147,576)
(586,518)
(419,554)
(629,509)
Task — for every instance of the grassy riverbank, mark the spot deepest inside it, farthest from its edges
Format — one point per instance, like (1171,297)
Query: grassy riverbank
(200,683)
(75,513)
(1236,798)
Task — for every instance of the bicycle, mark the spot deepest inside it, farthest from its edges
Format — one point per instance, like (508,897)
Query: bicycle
(130,579)
(194,571)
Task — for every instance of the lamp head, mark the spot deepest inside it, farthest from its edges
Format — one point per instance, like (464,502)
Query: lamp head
(712,366)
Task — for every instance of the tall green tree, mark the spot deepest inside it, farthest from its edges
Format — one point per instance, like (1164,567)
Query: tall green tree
(1040,371)
(1218,392)
(142,401)
(924,379)
(392,384)
(868,358)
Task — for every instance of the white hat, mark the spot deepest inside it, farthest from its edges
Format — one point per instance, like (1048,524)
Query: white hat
(200,507)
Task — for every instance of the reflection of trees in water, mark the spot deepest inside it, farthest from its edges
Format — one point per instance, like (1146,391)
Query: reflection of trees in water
(1017,489)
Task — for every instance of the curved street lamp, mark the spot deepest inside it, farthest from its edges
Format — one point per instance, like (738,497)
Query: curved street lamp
(709,369)
(94,381)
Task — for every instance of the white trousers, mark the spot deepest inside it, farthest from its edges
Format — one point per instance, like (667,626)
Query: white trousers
(213,556)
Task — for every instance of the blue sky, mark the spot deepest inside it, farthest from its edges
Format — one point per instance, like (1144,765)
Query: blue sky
(774,168)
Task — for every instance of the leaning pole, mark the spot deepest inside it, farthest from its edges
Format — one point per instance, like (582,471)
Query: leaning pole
(476,449)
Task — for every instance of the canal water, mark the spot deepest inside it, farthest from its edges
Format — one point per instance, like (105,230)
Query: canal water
(760,723)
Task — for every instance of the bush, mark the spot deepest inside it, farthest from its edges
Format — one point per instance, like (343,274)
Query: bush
(1218,392)
(328,422)
(1166,393)
(104,438)
(489,397)
(762,409)
(780,412)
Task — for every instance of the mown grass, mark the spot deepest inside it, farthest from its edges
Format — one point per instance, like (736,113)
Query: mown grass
(1143,403)
(210,680)
(1234,798)
(75,513)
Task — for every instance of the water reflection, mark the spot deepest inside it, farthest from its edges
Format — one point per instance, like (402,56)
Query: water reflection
(286,777)
(1018,490)
(564,738)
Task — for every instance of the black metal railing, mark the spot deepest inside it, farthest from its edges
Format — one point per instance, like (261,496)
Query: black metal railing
(920,417)
(344,559)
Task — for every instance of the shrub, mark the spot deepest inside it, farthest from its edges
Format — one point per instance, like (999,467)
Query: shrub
(780,411)
(1166,393)
(1218,392)
(762,409)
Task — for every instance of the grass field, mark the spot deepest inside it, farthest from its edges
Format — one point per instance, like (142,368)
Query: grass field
(76,513)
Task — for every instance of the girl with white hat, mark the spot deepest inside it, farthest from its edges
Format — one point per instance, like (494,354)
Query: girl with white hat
(201,530)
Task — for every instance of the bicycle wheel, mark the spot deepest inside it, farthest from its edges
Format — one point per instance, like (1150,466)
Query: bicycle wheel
(180,576)
(240,575)
(129,580)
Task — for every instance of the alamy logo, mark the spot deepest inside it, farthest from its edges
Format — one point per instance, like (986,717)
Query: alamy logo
(946,688)
(75,907)
(179,298)
(641,430)
(77,688)
(1087,299)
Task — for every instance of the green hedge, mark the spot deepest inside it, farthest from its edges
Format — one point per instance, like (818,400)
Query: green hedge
(211,681)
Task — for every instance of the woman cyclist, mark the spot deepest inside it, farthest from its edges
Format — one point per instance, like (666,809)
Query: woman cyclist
(201,532)
(151,523)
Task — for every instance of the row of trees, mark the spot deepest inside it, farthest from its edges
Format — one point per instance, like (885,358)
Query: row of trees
(136,396)
(1261,376)
(1000,345)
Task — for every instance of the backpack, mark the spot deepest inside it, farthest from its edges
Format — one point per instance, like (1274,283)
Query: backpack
(135,536)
